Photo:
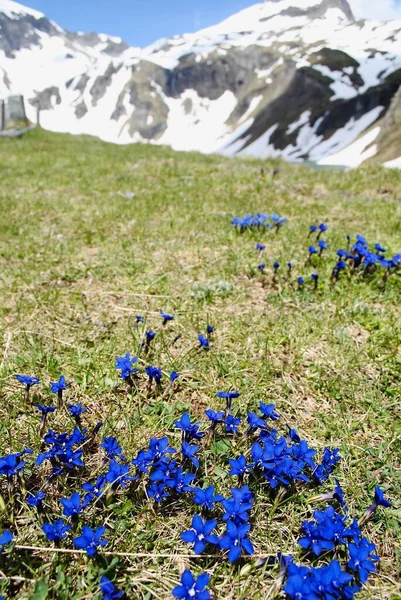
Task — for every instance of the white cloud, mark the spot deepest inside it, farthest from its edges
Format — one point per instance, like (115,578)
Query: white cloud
(376,9)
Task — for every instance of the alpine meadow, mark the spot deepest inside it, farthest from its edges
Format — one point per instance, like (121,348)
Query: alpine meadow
(200,375)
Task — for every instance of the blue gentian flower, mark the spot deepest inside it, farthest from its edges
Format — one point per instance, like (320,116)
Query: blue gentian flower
(117,474)
(238,505)
(312,229)
(180,481)
(262,267)
(142,461)
(125,365)
(232,424)
(361,240)
(254,421)
(228,397)
(72,506)
(322,246)
(109,590)
(163,471)
(294,436)
(203,342)
(209,329)
(191,588)
(190,430)
(206,498)
(56,531)
(235,540)
(157,491)
(173,376)
(312,250)
(45,410)
(6,537)
(200,534)
(339,496)
(166,317)
(10,465)
(362,558)
(27,380)
(328,582)
(300,584)
(72,458)
(35,500)
(94,490)
(324,533)
(76,410)
(60,385)
(260,247)
(112,448)
(140,319)
(239,467)
(315,279)
(278,221)
(379,499)
(353,532)
(149,335)
(267,411)
(329,460)
(154,374)
(215,417)
(276,266)
(302,452)
(158,448)
(57,387)
(90,539)
(300,281)
(189,453)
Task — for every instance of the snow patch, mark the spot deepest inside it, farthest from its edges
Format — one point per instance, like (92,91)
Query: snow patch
(393,164)
(200,127)
(303,120)
(356,153)
(15,10)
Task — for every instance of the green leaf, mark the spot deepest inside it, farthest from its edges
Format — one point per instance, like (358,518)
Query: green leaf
(41,590)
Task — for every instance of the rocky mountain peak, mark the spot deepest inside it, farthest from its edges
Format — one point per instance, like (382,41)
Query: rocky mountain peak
(313,9)
(297,79)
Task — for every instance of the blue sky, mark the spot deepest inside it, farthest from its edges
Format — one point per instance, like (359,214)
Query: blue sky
(141,22)
(138,22)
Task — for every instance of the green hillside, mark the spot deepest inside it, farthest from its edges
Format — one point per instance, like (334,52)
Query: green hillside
(92,235)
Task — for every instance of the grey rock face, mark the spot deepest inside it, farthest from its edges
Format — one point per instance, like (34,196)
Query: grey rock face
(80,110)
(389,139)
(318,11)
(16,34)
(45,99)
(102,82)
(234,71)
(111,47)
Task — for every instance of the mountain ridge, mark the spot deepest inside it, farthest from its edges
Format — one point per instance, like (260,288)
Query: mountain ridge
(297,79)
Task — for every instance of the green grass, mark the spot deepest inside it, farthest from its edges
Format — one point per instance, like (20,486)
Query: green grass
(80,257)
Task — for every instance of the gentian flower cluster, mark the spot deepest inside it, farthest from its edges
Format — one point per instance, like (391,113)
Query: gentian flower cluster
(360,257)
(258,221)
(340,557)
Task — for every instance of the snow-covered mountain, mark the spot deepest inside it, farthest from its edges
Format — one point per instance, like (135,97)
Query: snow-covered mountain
(299,79)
